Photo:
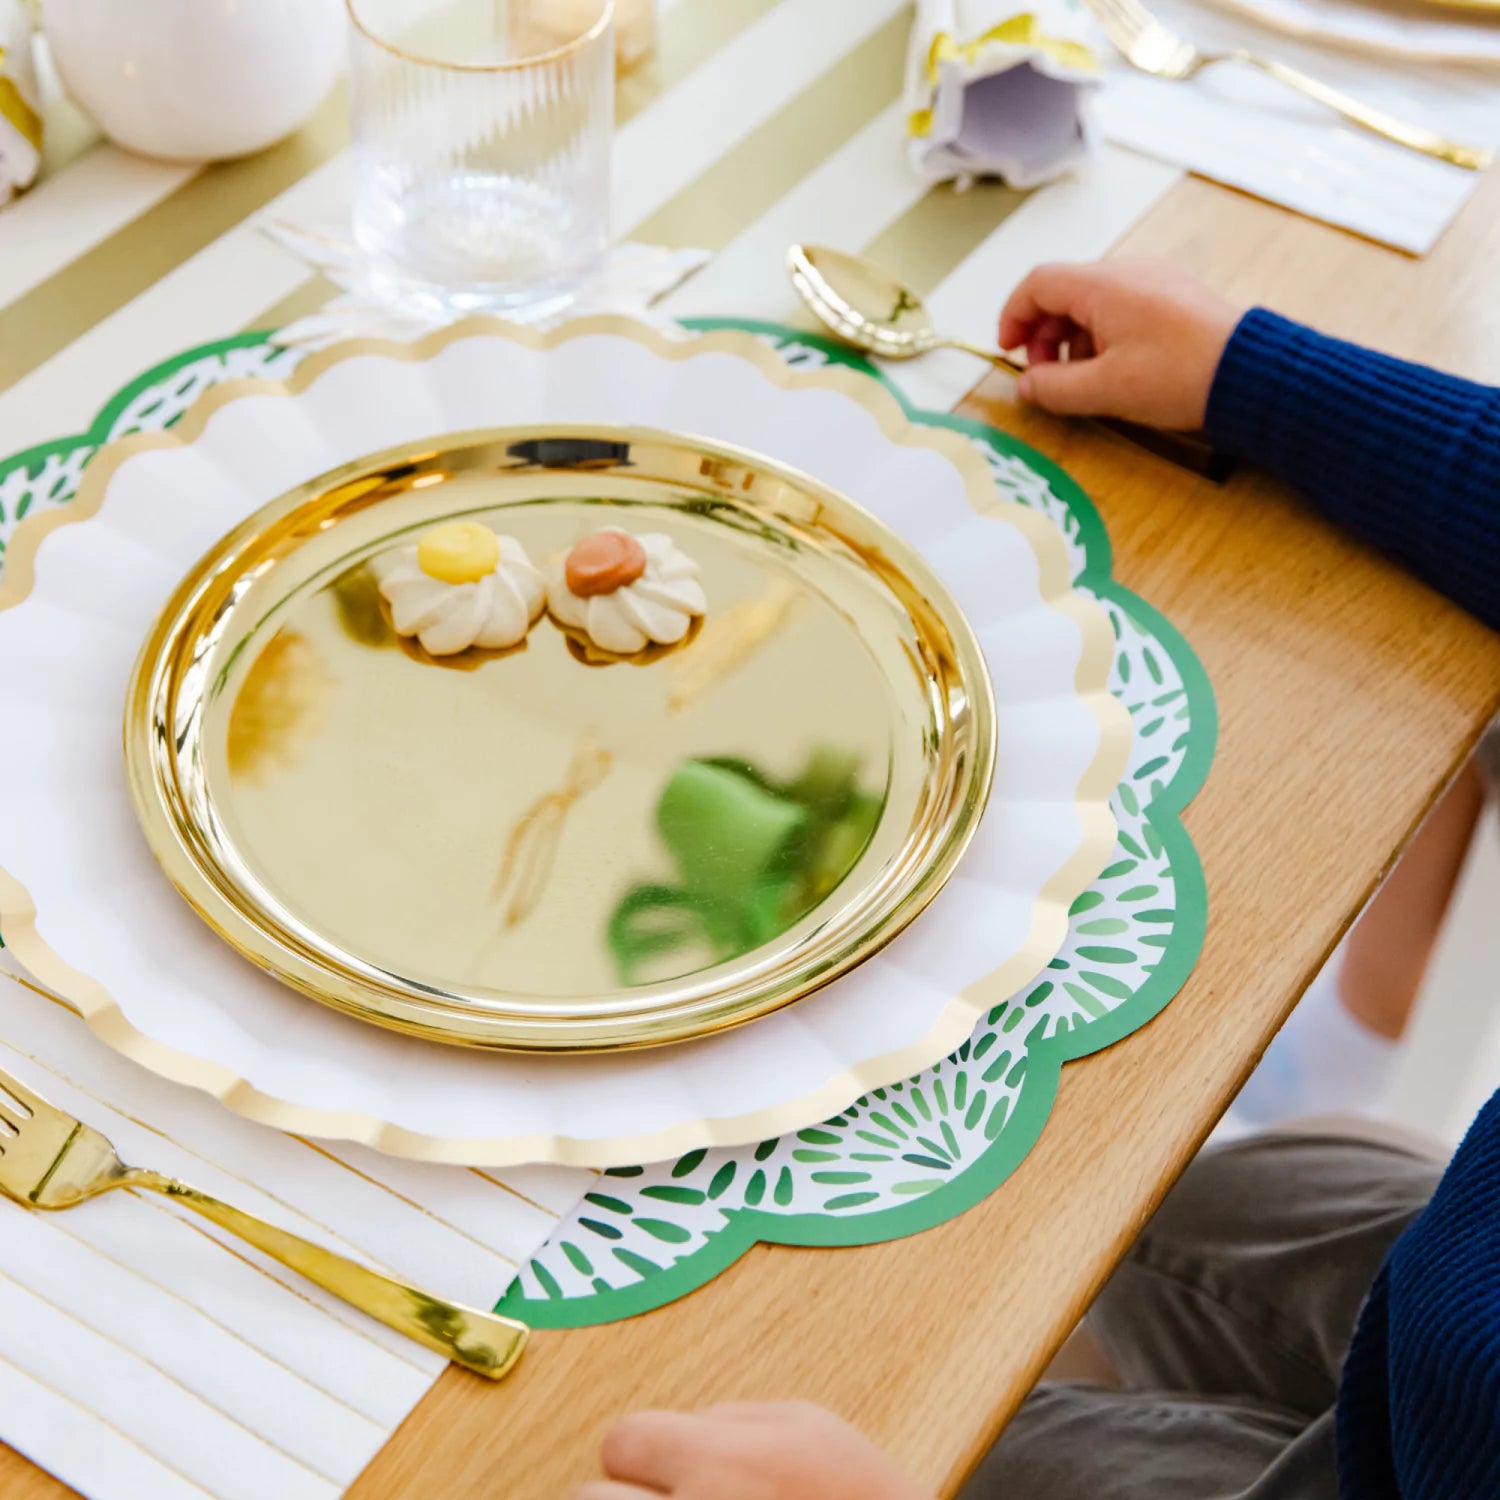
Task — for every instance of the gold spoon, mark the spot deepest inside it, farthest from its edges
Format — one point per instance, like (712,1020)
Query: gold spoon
(868,308)
(871,309)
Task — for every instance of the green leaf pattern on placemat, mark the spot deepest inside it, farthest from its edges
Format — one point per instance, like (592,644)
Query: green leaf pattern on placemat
(46,476)
(906,1157)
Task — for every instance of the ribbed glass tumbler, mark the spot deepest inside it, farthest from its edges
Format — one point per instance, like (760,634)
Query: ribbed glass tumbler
(481,149)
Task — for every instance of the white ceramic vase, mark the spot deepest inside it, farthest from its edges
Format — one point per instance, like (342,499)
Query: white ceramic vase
(20,124)
(196,80)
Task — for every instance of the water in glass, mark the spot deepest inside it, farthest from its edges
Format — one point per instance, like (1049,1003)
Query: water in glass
(481,148)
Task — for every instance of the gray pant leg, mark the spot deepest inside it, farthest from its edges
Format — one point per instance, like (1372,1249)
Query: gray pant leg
(1078,1442)
(1249,1279)
(1228,1324)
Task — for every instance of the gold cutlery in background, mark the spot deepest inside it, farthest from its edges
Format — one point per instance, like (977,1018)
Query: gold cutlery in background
(1152,48)
(49,1160)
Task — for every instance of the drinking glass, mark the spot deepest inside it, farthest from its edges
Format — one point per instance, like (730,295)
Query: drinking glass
(481,149)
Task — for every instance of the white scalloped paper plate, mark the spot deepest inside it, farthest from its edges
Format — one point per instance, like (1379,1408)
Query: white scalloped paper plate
(85,910)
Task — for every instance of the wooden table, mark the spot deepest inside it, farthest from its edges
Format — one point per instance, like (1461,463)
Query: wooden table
(1348,696)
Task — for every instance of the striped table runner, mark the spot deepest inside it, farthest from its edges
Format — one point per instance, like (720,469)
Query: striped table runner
(763,121)
(140,1354)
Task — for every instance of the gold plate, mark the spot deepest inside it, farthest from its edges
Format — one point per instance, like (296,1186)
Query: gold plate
(544,848)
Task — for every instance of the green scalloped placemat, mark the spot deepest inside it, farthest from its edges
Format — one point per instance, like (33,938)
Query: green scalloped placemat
(913,1155)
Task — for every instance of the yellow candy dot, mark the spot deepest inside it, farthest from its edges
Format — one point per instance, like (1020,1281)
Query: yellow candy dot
(458,552)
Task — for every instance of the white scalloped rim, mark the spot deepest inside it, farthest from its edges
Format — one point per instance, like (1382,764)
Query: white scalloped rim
(85,910)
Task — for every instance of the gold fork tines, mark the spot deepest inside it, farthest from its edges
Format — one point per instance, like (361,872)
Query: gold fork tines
(49,1160)
(1146,43)
(1151,47)
(45,1155)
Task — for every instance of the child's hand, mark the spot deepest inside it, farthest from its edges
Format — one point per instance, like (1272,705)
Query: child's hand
(746,1451)
(1143,339)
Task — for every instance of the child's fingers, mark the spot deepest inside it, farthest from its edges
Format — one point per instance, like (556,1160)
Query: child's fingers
(1014,330)
(1074,388)
(750,1411)
(1081,344)
(1047,338)
(1040,351)
(652,1448)
(1060,289)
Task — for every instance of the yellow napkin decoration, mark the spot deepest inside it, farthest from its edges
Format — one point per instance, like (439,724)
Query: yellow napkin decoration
(15,109)
(1019,31)
(992,92)
(20,119)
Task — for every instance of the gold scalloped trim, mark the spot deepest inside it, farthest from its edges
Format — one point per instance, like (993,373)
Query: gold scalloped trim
(1049,926)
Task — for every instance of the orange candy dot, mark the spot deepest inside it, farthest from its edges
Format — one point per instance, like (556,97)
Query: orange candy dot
(604,562)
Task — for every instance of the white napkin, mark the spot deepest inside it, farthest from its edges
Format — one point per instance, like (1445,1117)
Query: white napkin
(1239,127)
(634,276)
(20,122)
(994,91)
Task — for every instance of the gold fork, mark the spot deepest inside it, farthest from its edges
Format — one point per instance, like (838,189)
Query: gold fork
(49,1160)
(1152,48)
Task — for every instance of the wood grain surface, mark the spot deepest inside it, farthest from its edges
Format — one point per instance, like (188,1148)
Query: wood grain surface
(1348,696)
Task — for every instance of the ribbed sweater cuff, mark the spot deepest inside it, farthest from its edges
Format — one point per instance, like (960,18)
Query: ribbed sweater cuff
(1284,393)
(1404,456)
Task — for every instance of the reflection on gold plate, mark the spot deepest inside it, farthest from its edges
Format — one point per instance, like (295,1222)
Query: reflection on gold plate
(282,706)
(543,848)
(587,654)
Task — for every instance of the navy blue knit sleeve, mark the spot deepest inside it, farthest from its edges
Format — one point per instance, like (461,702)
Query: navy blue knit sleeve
(1419,1402)
(1405,457)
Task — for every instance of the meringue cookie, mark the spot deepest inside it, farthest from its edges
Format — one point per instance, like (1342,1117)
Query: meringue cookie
(497,597)
(658,606)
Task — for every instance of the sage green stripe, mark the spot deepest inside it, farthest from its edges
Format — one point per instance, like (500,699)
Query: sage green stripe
(755,175)
(117,270)
(939,232)
(137,255)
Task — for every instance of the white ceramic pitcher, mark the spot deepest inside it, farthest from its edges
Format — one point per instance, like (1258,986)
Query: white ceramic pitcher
(196,80)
